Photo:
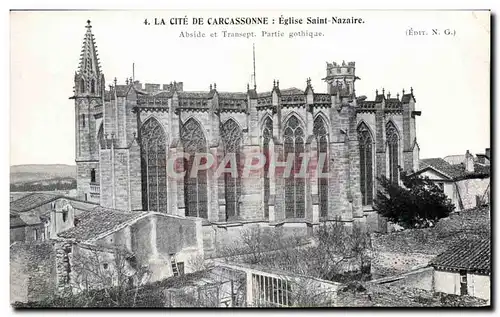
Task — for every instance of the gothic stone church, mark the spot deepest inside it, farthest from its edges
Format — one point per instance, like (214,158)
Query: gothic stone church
(126,133)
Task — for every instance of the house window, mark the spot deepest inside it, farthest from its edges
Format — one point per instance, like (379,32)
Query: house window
(177,267)
(271,291)
(393,146)
(65,215)
(231,138)
(294,185)
(267,134)
(180,267)
(321,135)
(154,166)
(92,175)
(195,188)
(366,163)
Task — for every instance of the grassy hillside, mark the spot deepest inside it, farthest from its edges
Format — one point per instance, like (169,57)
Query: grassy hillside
(40,172)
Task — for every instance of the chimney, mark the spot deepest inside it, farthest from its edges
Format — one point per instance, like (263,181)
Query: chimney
(469,162)
(487,153)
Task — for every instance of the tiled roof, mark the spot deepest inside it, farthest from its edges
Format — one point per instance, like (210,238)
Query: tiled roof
(233,95)
(291,91)
(284,92)
(466,254)
(454,171)
(265,94)
(30,218)
(164,94)
(97,221)
(16,221)
(32,201)
(193,94)
(454,159)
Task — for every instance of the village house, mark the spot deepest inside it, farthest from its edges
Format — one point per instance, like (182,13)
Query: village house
(464,269)
(463,178)
(41,216)
(106,240)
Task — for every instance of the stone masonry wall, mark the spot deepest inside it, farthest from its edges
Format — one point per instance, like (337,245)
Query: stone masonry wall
(32,271)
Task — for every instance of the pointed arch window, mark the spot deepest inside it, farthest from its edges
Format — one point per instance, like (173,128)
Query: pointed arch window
(100,138)
(321,134)
(366,163)
(294,185)
(195,188)
(393,147)
(267,134)
(92,86)
(154,166)
(231,138)
(82,85)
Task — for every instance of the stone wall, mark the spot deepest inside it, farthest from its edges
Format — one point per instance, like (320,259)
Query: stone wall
(470,188)
(422,278)
(32,271)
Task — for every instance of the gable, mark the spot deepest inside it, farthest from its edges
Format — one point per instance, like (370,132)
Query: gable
(433,174)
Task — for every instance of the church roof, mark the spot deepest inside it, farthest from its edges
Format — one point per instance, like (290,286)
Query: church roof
(193,94)
(97,221)
(233,95)
(291,91)
(284,92)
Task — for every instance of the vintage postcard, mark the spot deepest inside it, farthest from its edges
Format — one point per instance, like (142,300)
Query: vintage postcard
(267,158)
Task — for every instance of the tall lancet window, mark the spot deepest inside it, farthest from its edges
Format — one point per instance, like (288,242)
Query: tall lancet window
(267,134)
(154,166)
(100,138)
(82,85)
(321,134)
(366,163)
(231,137)
(294,183)
(393,147)
(195,186)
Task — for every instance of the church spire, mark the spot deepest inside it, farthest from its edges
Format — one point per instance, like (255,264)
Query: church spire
(89,60)
(89,78)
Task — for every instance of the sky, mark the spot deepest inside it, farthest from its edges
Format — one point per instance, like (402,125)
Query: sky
(450,75)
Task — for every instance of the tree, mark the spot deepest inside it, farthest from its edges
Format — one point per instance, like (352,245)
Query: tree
(332,250)
(419,203)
